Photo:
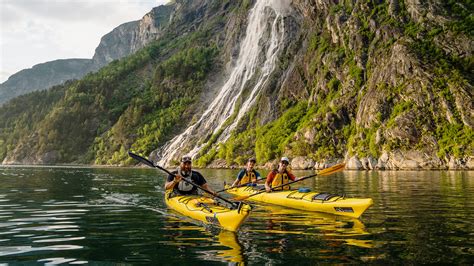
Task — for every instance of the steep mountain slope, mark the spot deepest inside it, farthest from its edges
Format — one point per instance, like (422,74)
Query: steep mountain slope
(379,84)
(131,101)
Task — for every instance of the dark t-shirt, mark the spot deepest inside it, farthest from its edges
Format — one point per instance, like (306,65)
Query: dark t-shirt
(183,187)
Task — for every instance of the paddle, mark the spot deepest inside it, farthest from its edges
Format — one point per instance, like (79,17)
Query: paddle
(150,163)
(241,185)
(327,171)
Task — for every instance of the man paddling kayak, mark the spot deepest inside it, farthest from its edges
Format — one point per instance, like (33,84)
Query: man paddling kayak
(279,176)
(179,186)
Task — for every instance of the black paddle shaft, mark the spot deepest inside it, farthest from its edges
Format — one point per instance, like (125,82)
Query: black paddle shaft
(150,163)
(241,185)
(289,183)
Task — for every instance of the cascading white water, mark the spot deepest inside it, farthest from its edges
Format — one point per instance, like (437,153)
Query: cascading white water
(256,60)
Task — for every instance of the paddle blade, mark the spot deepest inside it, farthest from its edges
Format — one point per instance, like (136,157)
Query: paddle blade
(141,159)
(241,198)
(333,169)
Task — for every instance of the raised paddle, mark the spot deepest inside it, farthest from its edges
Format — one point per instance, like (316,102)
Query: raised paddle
(241,185)
(150,163)
(330,170)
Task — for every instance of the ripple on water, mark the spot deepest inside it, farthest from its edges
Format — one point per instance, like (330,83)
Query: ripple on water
(55,261)
(59,228)
(62,239)
(14,250)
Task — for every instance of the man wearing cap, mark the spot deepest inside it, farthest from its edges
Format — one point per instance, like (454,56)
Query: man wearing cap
(247,175)
(279,176)
(182,187)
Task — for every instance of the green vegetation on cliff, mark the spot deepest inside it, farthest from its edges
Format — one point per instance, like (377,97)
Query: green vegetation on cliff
(134,103)
(361,78)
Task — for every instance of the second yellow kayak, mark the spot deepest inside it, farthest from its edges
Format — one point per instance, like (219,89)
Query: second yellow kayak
(308,201)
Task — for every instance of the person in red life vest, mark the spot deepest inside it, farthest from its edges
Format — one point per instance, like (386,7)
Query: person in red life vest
(181,187)
(280,176)
(247,175)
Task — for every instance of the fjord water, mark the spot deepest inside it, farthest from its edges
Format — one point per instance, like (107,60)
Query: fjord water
(117,215)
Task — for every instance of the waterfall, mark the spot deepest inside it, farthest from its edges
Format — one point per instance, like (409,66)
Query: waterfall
(257,57)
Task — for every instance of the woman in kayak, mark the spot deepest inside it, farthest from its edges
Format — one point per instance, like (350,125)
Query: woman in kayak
(247,175)
(279,176)
(182,187)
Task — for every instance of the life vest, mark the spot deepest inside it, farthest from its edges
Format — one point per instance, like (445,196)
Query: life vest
(183,185)
(279,180)
(248,177)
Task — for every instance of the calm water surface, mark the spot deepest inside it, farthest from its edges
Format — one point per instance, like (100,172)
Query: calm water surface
(108,215)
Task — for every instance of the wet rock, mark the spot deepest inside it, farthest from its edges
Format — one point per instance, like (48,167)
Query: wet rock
(49,157)
(302,163)
(354,164)
(470,163)
(382,162)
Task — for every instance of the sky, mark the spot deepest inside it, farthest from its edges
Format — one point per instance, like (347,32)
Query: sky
(38,31)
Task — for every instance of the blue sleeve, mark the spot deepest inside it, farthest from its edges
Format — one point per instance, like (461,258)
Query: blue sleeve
(241,174)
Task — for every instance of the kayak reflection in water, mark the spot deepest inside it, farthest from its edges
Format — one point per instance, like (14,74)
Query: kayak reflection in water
(247,175)
(234,253)
(181,187)
(280,176)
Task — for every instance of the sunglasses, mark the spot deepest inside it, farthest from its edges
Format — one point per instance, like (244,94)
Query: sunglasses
(186,159)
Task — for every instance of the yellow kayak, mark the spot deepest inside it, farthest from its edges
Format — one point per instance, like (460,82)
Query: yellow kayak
(207,211)
(308,201)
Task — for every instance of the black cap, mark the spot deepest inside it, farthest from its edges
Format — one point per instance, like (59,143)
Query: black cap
(252,160)
(185,159)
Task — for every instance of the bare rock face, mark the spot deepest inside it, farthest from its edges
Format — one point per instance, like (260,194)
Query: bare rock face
(302,163)
(470,162)
(382,162)
(460,163)
(405,130)
(354,164)
(132,36)
(22,154)
(409,160)
(218,164)
(368,163)
(49,157)
(456,44)
(327,163)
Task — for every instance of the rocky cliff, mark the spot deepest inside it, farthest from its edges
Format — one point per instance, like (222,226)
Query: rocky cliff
(402,74)
(389,82)
(132,36)
(377,84)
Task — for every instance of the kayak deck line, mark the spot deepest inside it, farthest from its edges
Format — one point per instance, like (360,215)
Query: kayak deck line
(208,211)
